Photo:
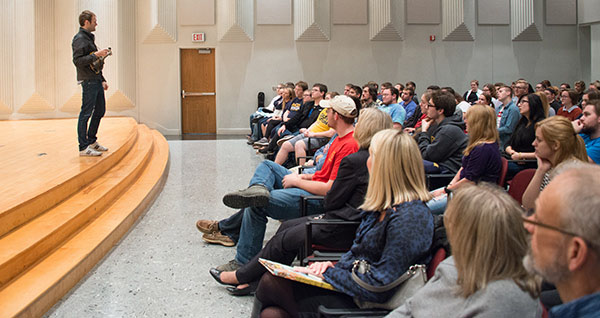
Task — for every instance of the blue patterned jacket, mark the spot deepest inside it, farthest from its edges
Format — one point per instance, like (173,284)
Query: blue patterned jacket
(391,246)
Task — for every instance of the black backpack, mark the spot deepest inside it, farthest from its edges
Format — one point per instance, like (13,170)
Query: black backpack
(261,100)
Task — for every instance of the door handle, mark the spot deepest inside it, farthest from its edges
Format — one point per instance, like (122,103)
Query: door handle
(185,94)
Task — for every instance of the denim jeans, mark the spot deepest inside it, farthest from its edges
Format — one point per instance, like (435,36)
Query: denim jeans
(284,204)
(92,105)
(437,205)
(231,225)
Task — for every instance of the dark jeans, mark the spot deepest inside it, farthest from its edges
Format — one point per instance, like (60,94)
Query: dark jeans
(231,226)
(92,105)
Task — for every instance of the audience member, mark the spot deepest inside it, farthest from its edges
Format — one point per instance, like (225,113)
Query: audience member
(341,202)
(579,88)
(388,99)
(369,96)
(396,232)
(481,161)
(551,92)
(569,99)
(485,276)
(486,99)
(291,106)
(493,92)
(262,114)
(588,127)
(407,102)
(548,111)
(507,116)
(442,147)
(555,142)
(472,95)
(589,95)
(355,91)
(521,89)
(413,125)
(565,241)
(595,85)
(564,86)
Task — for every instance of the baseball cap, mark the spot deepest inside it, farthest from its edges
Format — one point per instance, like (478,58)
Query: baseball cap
(342,104)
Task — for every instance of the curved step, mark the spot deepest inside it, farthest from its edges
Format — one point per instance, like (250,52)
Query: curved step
(36,290)
(32,241)
(46,169)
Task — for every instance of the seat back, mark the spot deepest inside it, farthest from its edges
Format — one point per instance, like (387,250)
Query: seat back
(503,172)
(519,184)
(438,257)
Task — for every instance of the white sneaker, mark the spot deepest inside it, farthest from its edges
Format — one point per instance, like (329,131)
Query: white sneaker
(89,152)
(98,147)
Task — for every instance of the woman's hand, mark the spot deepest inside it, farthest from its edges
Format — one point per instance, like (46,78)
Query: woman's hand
(317,268)
(515,156)
(438,193)
(543,164)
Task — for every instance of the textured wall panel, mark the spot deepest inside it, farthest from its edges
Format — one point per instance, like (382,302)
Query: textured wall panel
(235,20)
(196,12)
(312,20)
(561,12)
(7,25)
(526,18)
(423,11)
(588,11)
(349,11)
(386,19)
(125,60)
(273,11)
(493,12)
(164,22)
(458,20)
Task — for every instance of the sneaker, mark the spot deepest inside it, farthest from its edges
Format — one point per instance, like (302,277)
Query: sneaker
(284,139)
(254,196)
(262,142)
(98,147)
(207,226)
(218,238)
(231,266)
(89,152)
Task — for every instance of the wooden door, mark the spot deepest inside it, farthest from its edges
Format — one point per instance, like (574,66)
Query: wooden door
(198,104)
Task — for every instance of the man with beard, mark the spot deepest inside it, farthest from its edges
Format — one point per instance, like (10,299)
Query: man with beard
(565,240)
(589,128)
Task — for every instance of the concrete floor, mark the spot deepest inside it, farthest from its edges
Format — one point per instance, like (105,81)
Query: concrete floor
(160,268)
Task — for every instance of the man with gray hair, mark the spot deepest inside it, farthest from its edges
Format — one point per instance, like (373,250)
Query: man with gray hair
(565,240)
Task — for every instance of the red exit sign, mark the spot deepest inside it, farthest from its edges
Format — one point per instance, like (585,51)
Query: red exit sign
(198,37)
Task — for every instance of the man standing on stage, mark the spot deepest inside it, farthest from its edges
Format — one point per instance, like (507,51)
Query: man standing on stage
(93,84)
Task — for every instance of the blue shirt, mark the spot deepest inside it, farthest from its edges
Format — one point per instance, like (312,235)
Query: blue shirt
(396,111)
(585,307)
(508,122)
(592,146)
(410,108)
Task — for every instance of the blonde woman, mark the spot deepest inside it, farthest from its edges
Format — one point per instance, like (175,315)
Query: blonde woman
(395,233)
(481,161)
(555,142)
(485,277)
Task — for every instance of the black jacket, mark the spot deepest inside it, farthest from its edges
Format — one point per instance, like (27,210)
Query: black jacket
(445,143)
(349,188)
(83,48)
(307,115)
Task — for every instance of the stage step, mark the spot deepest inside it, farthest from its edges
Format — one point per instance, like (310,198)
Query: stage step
(43,259)
(35,156)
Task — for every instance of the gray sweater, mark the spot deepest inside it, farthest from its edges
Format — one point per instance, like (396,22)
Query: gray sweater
(439,298)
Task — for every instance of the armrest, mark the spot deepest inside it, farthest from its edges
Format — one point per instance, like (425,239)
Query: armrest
(304,202)
(435,181)
(351,312)
(523,161)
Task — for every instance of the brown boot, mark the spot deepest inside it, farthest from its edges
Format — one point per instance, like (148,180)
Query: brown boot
(207,226)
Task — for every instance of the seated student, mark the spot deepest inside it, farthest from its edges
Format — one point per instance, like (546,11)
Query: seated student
(274,191)
(520,145)
(491,90)
(548,110)
(565,246)
(407,102)
(482,160)
(389,96)
(485,276)
(341,202)
(551,93)
(485,99)
(569,99)
(369,96)
(588,127)
(507,115)
(413,125)
(555,142)
(396,232)
(472,95)
(291,104)
(442,147)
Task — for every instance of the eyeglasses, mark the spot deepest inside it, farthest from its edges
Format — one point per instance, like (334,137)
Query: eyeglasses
(524,101)
(550,227)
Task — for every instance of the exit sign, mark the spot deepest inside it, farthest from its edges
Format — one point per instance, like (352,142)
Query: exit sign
(198,37)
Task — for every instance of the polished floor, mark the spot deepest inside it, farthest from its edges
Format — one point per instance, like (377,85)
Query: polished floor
(160,268)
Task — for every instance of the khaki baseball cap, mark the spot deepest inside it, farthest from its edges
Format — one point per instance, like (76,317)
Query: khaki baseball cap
(342,104)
